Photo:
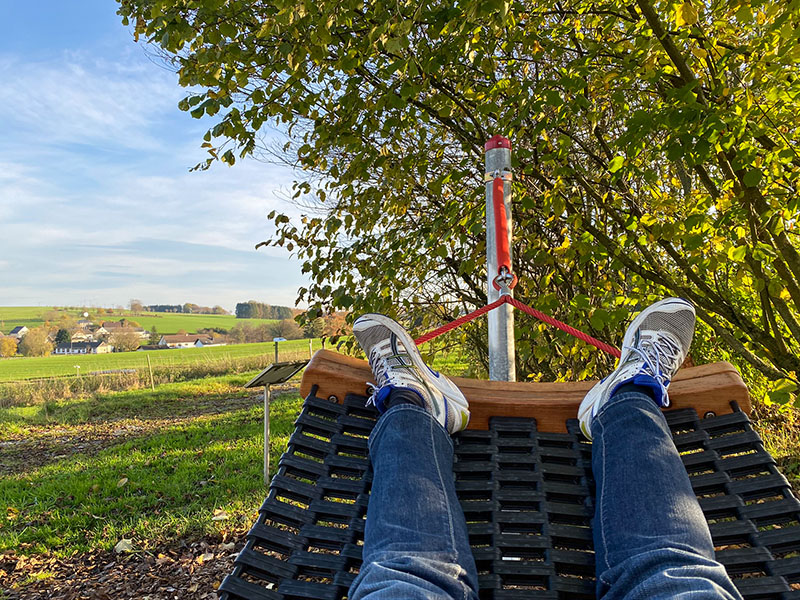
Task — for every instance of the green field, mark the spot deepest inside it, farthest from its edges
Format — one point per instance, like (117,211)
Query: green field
(33,316)
(15,369)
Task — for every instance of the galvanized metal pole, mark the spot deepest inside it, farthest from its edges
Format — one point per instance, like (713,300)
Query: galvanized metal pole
(267,398)
(501,320)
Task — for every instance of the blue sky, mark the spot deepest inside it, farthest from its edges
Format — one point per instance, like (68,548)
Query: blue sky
(97,204)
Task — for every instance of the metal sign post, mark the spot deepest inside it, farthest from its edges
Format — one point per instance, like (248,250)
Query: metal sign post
(501,320)
(275,373)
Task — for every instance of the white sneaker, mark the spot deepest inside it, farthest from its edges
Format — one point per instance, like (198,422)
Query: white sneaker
(655,345)
(397,364)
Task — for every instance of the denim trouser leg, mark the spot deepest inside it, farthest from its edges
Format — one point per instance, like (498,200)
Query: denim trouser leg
(651,538)
(415,542)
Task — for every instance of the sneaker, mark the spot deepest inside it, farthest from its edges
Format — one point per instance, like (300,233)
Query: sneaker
(397,364)
(654,348)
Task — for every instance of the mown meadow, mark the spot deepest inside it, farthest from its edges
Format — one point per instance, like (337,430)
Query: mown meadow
(34,316)
(20,368)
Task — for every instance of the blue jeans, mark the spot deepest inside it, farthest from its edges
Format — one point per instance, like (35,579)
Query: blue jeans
(651,539)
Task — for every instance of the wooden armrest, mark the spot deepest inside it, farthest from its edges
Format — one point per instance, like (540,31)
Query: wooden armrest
(707,388)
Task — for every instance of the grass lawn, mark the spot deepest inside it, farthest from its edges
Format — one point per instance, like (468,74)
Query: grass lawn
(177,471)
(19,368)
(151,466)
(33,316)
(181,462)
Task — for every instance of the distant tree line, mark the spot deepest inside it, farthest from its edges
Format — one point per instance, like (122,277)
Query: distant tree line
(187,308)
(259,310)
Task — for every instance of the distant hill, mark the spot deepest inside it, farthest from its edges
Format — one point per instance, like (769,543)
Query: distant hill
(34,316)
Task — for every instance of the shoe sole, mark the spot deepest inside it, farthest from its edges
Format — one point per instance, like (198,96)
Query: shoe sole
(413,352)
(630,332)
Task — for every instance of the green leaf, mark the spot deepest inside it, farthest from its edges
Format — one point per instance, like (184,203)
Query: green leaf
(599,318)
(752,178)
(782,391)
(737,253)
(616,164)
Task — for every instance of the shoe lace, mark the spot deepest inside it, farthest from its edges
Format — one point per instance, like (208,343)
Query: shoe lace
(380,369)
(659,353)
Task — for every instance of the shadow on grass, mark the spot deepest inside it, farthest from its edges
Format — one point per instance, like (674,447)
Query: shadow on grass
(151,489)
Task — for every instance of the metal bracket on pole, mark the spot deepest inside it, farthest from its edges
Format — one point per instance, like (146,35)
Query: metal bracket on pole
(501,320)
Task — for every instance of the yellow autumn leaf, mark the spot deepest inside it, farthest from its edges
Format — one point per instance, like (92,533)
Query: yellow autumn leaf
(686,14)
(784,295)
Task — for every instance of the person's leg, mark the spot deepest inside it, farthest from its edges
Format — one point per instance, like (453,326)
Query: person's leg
(415,542)
(651,539)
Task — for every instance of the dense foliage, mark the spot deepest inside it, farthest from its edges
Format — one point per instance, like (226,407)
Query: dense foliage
(259,310)
(655,153)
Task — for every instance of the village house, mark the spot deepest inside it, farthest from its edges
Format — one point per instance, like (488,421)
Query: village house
(18,332)
(109,328)
(83,348)
(82,336)
(195,340)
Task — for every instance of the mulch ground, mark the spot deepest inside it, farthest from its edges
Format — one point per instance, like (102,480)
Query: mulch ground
(191,570)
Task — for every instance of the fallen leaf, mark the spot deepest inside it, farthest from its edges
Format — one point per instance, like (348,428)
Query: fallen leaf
(124,545)
(220,515)
(122,482)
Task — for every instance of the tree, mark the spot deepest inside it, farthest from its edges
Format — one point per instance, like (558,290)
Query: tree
(238,334)
(135,305)
(654,151)
(314,328)
(155,337)
(287,328)
(8,347)
(258,310)
(125,340)
(63,336)
(35,343)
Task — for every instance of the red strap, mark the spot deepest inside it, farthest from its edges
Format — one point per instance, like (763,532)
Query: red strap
(525,308)
(500,226)
(460,321)
(563,326)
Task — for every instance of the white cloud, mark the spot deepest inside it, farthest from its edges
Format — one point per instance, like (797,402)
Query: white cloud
(94,185)
(83,100)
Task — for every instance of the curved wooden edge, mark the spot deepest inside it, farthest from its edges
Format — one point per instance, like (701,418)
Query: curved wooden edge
(707,388)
